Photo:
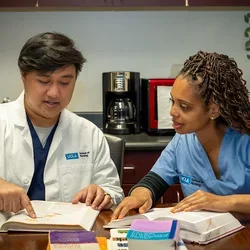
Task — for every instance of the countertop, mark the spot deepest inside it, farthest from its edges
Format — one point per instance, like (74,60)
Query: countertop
(134,142)
(144,141)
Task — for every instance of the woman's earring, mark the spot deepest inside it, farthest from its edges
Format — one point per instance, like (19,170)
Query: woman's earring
(211,118)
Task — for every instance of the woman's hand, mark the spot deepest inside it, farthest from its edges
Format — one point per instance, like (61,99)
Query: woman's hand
(95,196)
(140,197)
(201,200)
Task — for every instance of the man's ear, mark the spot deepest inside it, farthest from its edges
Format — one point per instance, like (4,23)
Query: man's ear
(214,111)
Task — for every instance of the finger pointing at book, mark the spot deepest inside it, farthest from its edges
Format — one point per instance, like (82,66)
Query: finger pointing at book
(94,196)
(14,199)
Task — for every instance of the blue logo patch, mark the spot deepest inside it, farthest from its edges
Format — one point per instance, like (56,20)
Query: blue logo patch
(185,179)
(72,156)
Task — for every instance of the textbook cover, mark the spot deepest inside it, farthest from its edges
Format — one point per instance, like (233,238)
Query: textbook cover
(72,240)
(160,234)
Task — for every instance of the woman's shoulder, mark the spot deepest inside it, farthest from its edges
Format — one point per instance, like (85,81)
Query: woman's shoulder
(237,137)
(238,140)
(181,141)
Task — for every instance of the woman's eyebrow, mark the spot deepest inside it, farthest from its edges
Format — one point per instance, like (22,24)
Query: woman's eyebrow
(180,100)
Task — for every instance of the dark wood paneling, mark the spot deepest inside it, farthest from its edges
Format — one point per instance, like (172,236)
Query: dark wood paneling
(173,195)
(74,3)
(219,2)
(137,164)
(17,3)
(149,2)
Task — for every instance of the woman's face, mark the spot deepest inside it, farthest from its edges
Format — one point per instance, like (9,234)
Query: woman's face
(188,111)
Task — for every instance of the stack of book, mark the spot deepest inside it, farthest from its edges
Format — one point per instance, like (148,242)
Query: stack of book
(76,240)
(145,234)
(200,226)
(118,240)
(72,240)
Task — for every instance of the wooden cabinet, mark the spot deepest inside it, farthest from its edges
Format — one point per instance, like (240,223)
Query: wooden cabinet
(119,3)
(74,3)
(219,2)
(17,3)
(159,3)
(137,164)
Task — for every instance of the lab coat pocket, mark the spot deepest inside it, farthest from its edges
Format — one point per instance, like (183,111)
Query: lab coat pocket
(74,177)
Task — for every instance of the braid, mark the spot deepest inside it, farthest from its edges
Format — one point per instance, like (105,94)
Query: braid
(220,81)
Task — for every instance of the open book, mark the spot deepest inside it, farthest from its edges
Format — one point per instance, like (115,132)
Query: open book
(199,226)
(50,216)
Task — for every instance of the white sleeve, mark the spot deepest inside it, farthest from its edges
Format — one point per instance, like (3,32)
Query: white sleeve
(105,173)
(2,149)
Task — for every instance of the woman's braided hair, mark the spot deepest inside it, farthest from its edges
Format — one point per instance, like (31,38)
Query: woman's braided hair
(220,81)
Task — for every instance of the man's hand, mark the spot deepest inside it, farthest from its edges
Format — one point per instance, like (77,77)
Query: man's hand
(13,199)
(141,198)
(95,196)
(201,200)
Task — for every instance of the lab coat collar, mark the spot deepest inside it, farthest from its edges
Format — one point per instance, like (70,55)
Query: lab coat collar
(20,117)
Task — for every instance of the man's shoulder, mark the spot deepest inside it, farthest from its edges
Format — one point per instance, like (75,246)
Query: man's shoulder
(76,120)
(7,110)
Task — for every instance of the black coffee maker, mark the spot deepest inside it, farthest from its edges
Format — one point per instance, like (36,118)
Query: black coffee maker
(121,102)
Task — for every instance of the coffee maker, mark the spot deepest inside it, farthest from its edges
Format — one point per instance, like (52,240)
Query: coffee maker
(121,102)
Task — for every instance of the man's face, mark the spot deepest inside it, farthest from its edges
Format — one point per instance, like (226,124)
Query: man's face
(188,111)
(47,94)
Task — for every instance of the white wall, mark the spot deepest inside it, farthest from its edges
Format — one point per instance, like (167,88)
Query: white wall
(148,42)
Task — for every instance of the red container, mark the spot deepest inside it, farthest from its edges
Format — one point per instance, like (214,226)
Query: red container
(155,104)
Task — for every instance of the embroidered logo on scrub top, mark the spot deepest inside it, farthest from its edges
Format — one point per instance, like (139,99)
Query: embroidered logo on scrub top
(72,156)
(190,180)
(185,179)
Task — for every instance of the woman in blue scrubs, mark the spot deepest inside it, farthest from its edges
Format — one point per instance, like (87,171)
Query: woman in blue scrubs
(210,153)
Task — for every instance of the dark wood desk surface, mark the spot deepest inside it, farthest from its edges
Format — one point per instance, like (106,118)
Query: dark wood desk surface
(38,241)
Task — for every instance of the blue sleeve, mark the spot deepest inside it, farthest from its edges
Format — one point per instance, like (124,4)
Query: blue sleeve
(166,166)
(248,153)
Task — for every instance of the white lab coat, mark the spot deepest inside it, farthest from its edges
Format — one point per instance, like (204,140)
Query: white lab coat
(62,178)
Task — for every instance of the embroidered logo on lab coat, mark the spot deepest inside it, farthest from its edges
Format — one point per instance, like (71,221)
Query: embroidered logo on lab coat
(72,156)
(84,154)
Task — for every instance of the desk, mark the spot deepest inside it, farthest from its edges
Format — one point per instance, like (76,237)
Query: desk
(38,241)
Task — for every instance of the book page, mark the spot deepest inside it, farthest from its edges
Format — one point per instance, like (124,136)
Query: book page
(159,213)
(152,214)
(125,222)
(211,235)
(56,213)
(3,218)
(196,221)
(192,217)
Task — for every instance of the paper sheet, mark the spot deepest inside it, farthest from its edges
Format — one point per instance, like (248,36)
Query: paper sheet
(164,106)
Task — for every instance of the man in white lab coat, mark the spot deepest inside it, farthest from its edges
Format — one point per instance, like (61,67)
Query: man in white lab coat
(48,152)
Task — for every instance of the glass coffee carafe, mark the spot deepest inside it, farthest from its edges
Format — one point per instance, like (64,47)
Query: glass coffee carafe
(121,114)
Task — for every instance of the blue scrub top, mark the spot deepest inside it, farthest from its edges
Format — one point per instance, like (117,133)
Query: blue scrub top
(184,160)
(37,188)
